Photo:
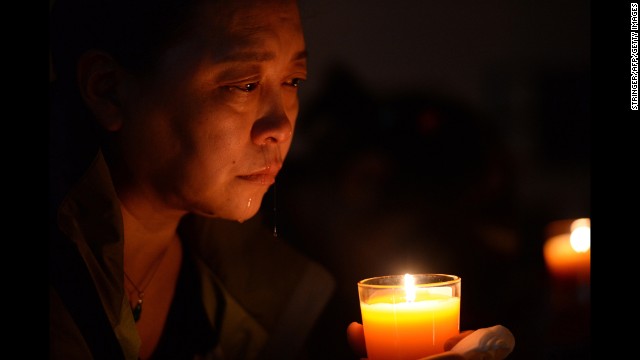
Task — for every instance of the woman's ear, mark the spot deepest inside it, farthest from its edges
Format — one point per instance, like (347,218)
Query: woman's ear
(99,76)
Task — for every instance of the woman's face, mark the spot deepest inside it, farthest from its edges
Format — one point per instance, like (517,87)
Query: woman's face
(208,131)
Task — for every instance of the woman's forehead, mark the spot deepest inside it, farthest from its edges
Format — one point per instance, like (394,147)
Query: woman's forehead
(237,30)
(247,15)
(227,32)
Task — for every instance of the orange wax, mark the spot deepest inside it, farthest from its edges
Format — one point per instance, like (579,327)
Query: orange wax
(409,330)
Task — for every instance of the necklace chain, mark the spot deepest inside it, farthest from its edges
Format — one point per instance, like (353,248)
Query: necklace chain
(137,310)
(140,292)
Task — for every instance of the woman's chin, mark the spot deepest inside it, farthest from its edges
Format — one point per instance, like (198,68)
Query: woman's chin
(239,211)
(248,213)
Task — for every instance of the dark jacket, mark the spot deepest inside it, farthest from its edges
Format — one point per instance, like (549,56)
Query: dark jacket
(260,297)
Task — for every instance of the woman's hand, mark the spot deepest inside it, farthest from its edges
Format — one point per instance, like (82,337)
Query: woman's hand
(355,337)
(493,343)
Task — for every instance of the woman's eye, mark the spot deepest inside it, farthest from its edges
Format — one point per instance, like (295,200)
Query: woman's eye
(295,82)
(248,87)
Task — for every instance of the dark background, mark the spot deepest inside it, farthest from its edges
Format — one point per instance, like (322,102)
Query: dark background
(444,136)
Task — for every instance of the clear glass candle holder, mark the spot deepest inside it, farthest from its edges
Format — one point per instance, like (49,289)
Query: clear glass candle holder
(407,317)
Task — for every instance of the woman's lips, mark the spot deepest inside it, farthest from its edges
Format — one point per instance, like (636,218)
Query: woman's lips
(264,179)
(265,176)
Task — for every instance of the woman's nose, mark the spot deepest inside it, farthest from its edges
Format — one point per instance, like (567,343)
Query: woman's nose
(275,125)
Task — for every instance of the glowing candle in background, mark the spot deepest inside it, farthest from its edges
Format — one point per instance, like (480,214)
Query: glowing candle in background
(409,317)
(567,251)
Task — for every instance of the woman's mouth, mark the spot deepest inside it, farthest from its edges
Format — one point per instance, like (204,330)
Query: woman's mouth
(263,179)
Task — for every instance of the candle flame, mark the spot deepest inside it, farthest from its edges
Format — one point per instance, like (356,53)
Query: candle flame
(410,287)
(580,235)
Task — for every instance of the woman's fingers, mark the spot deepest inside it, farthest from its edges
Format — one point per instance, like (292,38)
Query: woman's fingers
(355,337)
(452,341)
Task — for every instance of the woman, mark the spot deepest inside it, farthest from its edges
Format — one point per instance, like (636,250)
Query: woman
(167,115)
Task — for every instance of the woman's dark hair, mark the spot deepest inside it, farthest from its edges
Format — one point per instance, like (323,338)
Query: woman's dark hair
(134,32)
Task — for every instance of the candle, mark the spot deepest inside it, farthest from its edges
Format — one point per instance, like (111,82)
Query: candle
(567,251)
(411,320)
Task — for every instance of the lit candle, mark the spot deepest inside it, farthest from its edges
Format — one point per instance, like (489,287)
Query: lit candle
(568,254)
(411,323)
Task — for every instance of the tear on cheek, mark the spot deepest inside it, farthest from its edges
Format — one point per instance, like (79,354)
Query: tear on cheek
(271,154)
(247,211)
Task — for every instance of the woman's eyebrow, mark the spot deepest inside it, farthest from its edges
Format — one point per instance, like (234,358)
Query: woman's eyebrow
(257,56)
(300,55)
(236,72)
